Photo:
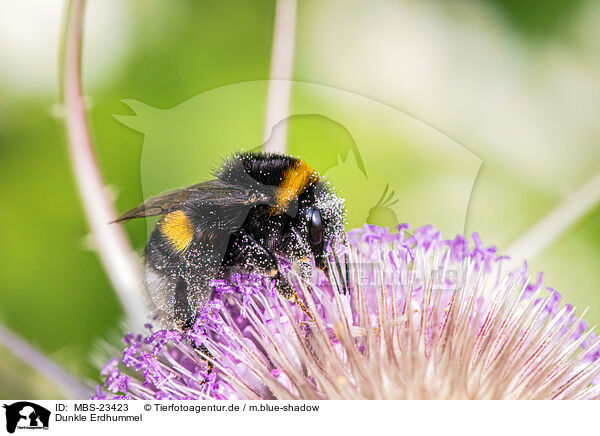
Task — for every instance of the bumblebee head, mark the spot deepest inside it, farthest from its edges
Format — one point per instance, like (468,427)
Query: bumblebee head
(314,215)
(324,220)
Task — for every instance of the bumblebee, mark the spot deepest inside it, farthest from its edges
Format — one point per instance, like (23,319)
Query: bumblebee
(259,210)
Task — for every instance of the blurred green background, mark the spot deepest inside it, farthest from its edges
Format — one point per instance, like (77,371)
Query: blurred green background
(483,116)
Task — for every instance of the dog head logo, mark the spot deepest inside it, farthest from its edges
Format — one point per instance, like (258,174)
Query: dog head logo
(26,415)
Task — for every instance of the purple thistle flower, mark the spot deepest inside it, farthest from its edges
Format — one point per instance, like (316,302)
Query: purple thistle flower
(425,318)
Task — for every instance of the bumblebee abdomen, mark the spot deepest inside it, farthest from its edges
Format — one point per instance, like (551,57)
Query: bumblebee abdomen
(177,229)
(178,275)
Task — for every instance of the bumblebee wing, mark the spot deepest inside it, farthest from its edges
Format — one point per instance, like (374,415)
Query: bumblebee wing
(213,193)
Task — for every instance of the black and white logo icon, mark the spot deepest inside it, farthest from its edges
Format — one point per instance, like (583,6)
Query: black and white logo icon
(26,415)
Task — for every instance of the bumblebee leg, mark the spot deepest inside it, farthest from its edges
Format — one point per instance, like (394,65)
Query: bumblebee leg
(201,350)
(287,291)
(294,243)
(247,254)
(205,355)
(301,305)
(305,268)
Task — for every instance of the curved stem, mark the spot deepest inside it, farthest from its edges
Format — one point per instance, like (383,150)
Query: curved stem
(115,251)
(538,237)
(282,62)
(37,360)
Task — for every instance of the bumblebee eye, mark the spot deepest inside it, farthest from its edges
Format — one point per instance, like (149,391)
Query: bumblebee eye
(315,230)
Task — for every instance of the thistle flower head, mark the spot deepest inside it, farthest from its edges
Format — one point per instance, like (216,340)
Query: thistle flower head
(422,318)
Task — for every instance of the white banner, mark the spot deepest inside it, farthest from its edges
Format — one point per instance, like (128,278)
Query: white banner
(299,417)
